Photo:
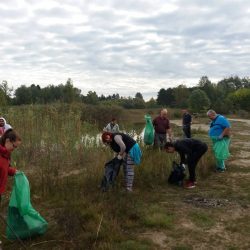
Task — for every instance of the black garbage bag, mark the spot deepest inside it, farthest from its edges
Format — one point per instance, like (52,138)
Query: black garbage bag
(177,174)
(112,169)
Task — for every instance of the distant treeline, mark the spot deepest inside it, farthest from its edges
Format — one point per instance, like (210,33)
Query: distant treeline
(229,94)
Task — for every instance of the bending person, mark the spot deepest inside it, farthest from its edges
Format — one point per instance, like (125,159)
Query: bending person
(126,148)
(190,151)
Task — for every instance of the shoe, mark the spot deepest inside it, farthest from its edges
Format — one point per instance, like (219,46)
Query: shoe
(189,184)
(220,170)
(128,189)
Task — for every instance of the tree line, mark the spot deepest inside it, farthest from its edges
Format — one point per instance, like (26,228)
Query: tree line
(229,94)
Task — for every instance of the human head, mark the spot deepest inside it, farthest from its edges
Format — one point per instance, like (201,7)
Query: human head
(184,111)
(164,113)
(113,120)
(211,114)
(10,140)
(2,121)
(169,147)
(106,137)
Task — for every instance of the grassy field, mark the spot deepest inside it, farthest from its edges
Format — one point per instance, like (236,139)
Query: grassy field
(65,175)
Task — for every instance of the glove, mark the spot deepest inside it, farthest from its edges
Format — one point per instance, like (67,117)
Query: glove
(220,137)
(119,157)
(183,166)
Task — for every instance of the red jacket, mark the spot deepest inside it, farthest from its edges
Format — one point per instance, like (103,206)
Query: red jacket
(5,168)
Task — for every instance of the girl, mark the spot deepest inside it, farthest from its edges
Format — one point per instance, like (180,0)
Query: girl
(8,142)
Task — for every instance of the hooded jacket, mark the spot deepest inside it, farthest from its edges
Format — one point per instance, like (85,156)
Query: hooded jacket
(5,127)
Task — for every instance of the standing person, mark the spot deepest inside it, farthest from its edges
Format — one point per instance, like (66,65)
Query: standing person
(186,123)
(162,129)
(219,133)
(9,141)
(3,126)
(126,148)
(112,127)
(190,151)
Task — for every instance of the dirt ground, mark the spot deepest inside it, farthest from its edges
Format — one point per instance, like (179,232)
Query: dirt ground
(230,230)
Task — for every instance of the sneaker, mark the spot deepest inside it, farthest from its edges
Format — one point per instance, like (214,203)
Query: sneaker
(189,184)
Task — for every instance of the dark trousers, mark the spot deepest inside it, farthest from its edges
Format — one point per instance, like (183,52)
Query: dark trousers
(193,160)
(187,131)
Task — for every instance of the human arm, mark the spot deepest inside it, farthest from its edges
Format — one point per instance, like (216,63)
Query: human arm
(11,171)
(225,132)
(169,134)
(119,141)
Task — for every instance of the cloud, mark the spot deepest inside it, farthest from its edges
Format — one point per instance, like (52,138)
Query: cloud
(133,46)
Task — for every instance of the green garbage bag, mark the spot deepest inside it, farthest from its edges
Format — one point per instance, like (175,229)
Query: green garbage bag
(148,131)
(22,218)
(221,148)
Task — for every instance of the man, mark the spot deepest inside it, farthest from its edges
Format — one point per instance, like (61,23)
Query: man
(112,127)
(162,129)
(186,123)
(219,133)
(190,151)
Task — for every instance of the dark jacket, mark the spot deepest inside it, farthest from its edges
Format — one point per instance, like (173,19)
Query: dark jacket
(187,147)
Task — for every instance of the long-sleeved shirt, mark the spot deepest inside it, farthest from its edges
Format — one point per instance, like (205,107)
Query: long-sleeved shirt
(186,147)
(5,168)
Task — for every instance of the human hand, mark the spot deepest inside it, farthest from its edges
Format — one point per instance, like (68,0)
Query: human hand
(119,157)
(220,137)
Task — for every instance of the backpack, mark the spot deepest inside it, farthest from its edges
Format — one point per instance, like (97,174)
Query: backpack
(111,171)
(177,174)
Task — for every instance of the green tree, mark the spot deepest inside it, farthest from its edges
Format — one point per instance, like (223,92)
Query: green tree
(91,98)
(138,95)
(241,99)
(181,94)
(198,101)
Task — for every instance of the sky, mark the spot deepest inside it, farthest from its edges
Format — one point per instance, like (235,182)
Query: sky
(123,46)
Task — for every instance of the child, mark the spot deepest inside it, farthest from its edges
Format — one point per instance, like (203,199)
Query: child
(8,142)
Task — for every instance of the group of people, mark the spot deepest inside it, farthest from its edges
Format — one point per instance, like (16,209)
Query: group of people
(189,149)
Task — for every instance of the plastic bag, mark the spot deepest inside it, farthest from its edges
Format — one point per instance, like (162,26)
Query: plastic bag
(148,131)
(177,174)
(22,218)
(221,148)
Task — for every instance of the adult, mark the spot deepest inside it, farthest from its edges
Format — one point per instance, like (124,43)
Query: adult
(128,150)
(3,126)
(162,129)
(190,151)
(219,133)
(186,123)
(112,127)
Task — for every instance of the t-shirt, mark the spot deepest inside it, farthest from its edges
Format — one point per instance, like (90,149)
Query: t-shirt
(218,125)
(161,124)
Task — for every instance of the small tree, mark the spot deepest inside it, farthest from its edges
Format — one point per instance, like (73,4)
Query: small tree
(198,101)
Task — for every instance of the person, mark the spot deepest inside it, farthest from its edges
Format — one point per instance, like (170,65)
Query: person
(9,141)
(219,133)
(3,126)
(112,127)
(128,150)
(186,123)
(162,129)
(190,151)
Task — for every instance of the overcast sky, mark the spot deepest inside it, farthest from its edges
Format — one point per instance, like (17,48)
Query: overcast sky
(123,46)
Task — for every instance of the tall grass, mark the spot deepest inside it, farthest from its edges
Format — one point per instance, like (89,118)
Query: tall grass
(65,175)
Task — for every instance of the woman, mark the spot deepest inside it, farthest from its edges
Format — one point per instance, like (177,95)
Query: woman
(128,150)
(8,143)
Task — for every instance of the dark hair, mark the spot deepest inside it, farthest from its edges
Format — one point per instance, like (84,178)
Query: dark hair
(113,119)
(168,145)
(11,135)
